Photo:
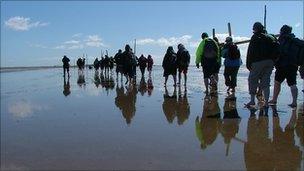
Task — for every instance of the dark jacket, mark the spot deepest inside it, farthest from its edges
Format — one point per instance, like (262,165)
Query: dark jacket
(288,55)
(259,49)
(183,58)
(65,61)
(118,58)
(142,61)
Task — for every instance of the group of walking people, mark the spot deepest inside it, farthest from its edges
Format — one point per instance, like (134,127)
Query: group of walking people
(264,53)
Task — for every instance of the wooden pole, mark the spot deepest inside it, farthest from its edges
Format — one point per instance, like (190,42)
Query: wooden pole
(229,29)
(134,46)
(265,17)
(213,33)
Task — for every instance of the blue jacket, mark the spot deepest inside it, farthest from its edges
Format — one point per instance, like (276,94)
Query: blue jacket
(228,62)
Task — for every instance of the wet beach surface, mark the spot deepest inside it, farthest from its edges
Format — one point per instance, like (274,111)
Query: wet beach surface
(96,122)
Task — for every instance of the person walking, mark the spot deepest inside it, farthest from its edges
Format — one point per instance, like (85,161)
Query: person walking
(150,64)
(142,62)
(169,65)
(232,63)
(208,55)
(183,60)
(66,66)
(260,63)
(286,65)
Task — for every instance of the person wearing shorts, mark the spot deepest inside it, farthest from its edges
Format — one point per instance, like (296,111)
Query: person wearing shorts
(183,60)
(286,67)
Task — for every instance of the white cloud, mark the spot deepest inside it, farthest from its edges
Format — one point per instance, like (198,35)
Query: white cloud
(94,41)
(23,24)
(38,46)
(76,35)
(171,41)
(72,42)
(297,24)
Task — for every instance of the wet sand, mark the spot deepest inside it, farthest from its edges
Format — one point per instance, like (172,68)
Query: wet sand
(96,122)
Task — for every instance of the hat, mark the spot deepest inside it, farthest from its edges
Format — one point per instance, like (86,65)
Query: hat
(228,39)
(285,29)
(204,35)
(258,27)
(179,46)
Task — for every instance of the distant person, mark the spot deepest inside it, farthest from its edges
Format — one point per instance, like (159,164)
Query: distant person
(107,64)
(119,64)
(232,63)
(134,62)
(66,87)
(260,63)
(150,64)
(83,63)
(66,65)
(287,65)
(183,60)
(142,61)
(208,55)
(102,64)
(79,63)
(96,64)
(169,65)
(111,64)
(127,58)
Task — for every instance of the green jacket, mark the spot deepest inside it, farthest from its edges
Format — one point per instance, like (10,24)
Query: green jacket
(200,52)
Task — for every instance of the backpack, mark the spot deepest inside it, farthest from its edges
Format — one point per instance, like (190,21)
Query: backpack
(274,47)
(234,52)
(210,49)
(294,47)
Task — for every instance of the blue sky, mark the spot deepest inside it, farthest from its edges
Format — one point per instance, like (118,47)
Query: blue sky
(40,33)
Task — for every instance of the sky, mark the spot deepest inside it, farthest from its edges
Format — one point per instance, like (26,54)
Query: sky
(38,33)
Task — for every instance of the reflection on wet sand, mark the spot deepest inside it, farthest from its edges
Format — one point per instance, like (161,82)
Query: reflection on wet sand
(81,79)
(207,127)
(66,86)
(230,124)
(262,153)
(176,105)
(126,101)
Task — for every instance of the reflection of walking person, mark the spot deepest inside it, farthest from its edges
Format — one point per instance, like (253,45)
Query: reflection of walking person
(284,146)
(66,87)
(230,125)
(207,127)
(169,105)
(183,107)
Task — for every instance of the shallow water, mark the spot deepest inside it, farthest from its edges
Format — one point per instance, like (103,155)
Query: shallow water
(103,124)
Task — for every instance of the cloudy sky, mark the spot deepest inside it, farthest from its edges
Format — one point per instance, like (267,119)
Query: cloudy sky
(39,33)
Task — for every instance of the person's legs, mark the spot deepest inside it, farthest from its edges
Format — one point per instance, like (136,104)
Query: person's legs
(292,82)
(206,82)
(253,78)
(166,79)
(174,79)
(233,76)
(276,92)
(179,76)
(227,77)
(265,79)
